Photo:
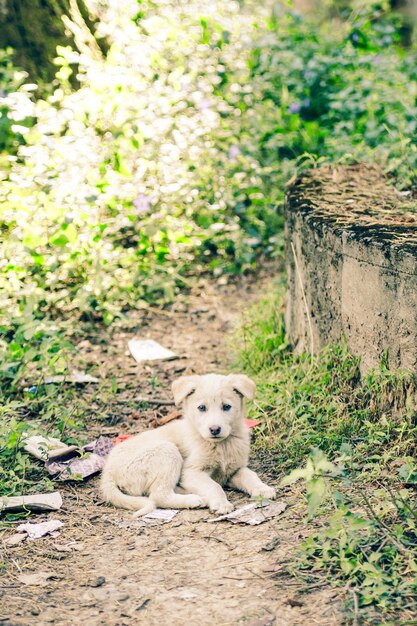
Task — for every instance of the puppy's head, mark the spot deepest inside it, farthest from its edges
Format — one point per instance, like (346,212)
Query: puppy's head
(214,403)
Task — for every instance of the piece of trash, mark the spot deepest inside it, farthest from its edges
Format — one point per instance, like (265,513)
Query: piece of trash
(403,194)
(100,446)
(253,513)
(44,448)
(149,350)
(76,469)
(36,578)
(252,423)
(36,531)
(161,515)
(122,437)
(14,540)
(155,518)
(37,502)
(72,466)
(75,376)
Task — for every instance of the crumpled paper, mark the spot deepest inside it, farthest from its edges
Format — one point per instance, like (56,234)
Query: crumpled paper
(253,514)
(36,531)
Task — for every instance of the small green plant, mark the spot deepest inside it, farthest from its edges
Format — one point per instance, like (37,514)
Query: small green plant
(367,537)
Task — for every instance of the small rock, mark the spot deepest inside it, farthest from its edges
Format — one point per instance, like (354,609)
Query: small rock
(143,604)
(99,582)
(271,545)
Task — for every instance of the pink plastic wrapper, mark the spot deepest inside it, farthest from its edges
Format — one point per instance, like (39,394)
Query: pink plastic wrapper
(79,464)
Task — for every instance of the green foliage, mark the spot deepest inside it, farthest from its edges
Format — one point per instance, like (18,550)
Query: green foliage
(144,175)
(367,541)
(338,90)
(351,440)
(323,402)
(16,107)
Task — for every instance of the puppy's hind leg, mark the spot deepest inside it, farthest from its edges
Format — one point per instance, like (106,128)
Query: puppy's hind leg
(162,490)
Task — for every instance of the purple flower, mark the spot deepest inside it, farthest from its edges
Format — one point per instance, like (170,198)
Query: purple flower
(355,37)
(141,203)
(234,152)
(295,107)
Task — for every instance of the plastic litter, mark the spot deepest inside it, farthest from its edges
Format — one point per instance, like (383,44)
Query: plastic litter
(149,350)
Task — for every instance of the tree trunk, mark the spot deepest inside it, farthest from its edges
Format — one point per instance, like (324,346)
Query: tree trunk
(34,28)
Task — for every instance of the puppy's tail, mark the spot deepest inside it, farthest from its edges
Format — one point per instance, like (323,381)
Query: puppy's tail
(111,493)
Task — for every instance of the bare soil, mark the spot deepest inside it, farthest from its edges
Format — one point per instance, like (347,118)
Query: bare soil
(105,571)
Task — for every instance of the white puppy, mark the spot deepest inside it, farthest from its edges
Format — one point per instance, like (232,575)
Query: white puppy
(208,448)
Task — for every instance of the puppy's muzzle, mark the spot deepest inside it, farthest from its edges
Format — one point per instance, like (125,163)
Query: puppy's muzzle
(215,431)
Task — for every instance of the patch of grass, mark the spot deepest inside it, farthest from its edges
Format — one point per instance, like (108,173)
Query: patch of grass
(352,440)
(323,401)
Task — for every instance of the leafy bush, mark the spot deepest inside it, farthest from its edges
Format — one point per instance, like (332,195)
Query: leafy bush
(338,90)
(141,177)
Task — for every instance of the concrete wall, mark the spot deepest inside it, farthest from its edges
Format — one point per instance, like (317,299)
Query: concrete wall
(352,280)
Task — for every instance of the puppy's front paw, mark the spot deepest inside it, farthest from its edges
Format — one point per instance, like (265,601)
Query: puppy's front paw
(221,507)
(265,492)
(195,502)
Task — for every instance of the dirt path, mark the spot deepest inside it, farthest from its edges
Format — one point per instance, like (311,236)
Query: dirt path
(108,572)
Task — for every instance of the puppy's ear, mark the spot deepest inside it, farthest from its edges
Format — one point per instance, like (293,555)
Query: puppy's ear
(184,387)
(243,385)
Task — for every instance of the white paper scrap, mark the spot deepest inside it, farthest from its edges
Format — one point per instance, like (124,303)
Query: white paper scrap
(72,377)
(155,518)
(253,513)
(36,502)
(36,531)
(41,447)
(149,350)
(163,515)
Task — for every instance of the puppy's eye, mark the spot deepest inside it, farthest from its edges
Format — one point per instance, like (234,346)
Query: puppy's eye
(226,407)
(202,408)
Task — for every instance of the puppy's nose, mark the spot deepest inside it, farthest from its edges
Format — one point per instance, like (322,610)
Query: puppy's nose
(215,430)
